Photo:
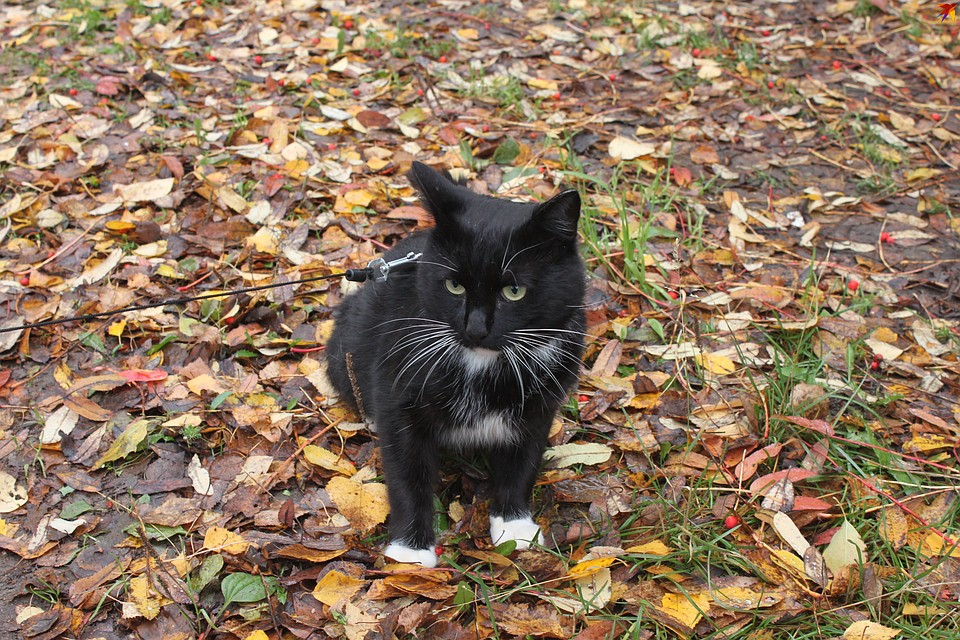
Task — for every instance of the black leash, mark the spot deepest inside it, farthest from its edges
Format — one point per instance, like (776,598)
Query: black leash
(378,270)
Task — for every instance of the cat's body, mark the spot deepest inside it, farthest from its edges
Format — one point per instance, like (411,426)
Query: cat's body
(472,346)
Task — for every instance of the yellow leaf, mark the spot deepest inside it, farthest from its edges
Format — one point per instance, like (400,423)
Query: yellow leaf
(893,527)
(359,197)
(265,240)
(328,460)
(866,630)
(468,34)
(257,635)
(923,173)
(204,382)
(927,611)
(363,505)
(335,586)
(538,83)
(744,598)
(116,329)
(6,529)
(145,598)
(884,334)
(716,364)
(590,567)
(167,271)
(220,539)
(933,545)
(688,609)
(654,548)
(125,444)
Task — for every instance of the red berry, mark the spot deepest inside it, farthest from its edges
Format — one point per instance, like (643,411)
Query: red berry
(443,59)
(267,141)
(258,59)
(853,285)
(230,320)
(696,52)
(276,176)
(533,135)
(198,2)
(766,33)
(25,281)
(315,41)
(419,92)
(837,65)
(875,365)
(613,77)
(486,26)
(104,101)
(331,146)
(73,92)
(731,521)
(211,57)
(438,550)
(824,137)
(556,96)
(348,24)
(542,169)
(673,294)
(356,92)
(50,254)
(935,117)
(281,82)
(886,238)
(771,84)
(486,128)
(583,398)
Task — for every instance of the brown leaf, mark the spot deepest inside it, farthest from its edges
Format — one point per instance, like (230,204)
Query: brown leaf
(608,360)
(373,119)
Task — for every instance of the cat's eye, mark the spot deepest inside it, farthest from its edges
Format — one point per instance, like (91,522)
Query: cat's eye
(514,292)
(454,287)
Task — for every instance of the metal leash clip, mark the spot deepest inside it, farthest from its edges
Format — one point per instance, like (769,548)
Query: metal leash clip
(378,269)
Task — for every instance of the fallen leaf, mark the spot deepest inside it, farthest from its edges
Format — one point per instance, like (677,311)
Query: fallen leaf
(363,505)
(846,548)
(567,455)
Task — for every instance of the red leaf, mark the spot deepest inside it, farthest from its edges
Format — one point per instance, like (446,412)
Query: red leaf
(819,426)
(174,166)
(108,86)
(143,375)
(274,183)
(764,483)
(682,176)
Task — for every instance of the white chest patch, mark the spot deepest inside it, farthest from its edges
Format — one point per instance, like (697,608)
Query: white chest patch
(488,430)
(477,360)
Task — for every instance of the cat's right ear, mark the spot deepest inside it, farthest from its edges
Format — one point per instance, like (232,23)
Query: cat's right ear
(441,197)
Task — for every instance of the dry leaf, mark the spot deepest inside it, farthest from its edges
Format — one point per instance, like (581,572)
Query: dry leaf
(845,549)
(363,505)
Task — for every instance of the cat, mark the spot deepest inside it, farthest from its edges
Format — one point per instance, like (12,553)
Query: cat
(475,345)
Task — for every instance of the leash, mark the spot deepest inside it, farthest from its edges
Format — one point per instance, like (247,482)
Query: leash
(378,270)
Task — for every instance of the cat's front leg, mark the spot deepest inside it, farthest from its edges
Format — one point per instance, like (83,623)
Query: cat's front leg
(410,462)
(514,470)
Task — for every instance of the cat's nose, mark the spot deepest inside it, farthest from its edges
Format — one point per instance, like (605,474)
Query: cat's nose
(476,329)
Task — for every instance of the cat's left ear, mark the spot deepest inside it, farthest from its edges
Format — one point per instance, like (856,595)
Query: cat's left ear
(439,195)
(558,215)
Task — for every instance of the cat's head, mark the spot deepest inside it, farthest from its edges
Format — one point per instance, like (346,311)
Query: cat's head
(492,267)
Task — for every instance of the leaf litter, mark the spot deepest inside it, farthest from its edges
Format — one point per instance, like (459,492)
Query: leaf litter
(771,233)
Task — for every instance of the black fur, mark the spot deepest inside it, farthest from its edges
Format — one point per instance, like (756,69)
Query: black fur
(406,337)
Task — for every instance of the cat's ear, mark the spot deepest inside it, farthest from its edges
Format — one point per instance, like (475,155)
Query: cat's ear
(440,196)
(558,216)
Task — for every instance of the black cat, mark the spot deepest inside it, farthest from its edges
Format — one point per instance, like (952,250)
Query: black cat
(473,345)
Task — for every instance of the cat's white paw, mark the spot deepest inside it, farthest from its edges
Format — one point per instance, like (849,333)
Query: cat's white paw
(403,553)
(523,531)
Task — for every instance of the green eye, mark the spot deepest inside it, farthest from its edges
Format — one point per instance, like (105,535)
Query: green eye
(454,287)
(513,293)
